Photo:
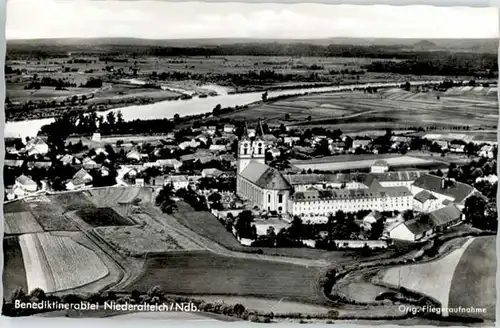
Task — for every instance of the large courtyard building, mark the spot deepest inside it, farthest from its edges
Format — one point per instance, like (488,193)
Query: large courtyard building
(326,202)
(314,197)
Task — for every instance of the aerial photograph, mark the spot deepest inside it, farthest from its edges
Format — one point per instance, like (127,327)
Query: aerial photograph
(236,162)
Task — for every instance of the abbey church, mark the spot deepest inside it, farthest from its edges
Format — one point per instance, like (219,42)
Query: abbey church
(257,182)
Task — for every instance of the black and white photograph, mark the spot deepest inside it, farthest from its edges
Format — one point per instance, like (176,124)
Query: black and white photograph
(251,162)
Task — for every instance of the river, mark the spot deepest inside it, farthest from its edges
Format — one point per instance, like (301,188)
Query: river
(168,108)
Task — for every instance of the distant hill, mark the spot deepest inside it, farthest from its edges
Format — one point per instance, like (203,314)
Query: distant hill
(468,45)
(424,45)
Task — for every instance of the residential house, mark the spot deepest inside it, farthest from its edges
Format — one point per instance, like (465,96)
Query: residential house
(134,155)
(81,179)
(188,158)
(218,148)
(177,181)
(89,163)
(101,150)
(13,162)
(189,144)
(150,164)
(211,173)
(291,141)
(96,137)
(139,182)
(425,202)
(202,138)
(380,166)
(442,144)
(229,128)
(275,152)
(487,151)
(170,163)
(39,164)
(211,130)
(251,133)
(25,184)
(456,148)
(337,147)
(361,143)
(69,160)
(36,146)
(372,217)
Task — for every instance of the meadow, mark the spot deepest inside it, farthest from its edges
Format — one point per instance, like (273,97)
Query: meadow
(354,163)
(391,108)
(464,277)
(206,273)
(56,263)
(14,272)
(103,216)
(475,273)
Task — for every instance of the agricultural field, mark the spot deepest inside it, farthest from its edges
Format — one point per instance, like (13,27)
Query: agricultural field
(354,163)
(20,223)
(452,279)
(14,272)
(56,263)
(102,216)
(137,241)
(207,273)
(474,279)
(33,213)
(111,196)
(392,108)
(72,201)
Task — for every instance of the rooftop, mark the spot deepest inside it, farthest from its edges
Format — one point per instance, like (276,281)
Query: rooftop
(351,193)
(457,190)
(424,196)
(265,176)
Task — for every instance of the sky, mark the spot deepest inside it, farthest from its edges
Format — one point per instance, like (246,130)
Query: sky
(34,19)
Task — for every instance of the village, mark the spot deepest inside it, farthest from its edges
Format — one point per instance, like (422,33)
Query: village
(256,179)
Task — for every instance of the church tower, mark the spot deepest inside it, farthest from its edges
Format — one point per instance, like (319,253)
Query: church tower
(244,151)
(259,145)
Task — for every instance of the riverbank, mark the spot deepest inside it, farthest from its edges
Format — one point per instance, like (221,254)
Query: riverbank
(196,106)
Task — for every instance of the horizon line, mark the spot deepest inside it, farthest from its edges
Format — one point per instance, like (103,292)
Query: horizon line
(251,38)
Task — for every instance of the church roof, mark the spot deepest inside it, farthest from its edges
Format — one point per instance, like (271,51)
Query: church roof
(264,176)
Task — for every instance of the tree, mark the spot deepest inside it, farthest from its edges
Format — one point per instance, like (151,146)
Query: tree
(243,225)
(217,109)
(110,118)
(296,229)
(480,214)
(377,229)
(264,97)
(287,116)
(408,215)
(176,117)
(164,199)
(119,117)
(215,197)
